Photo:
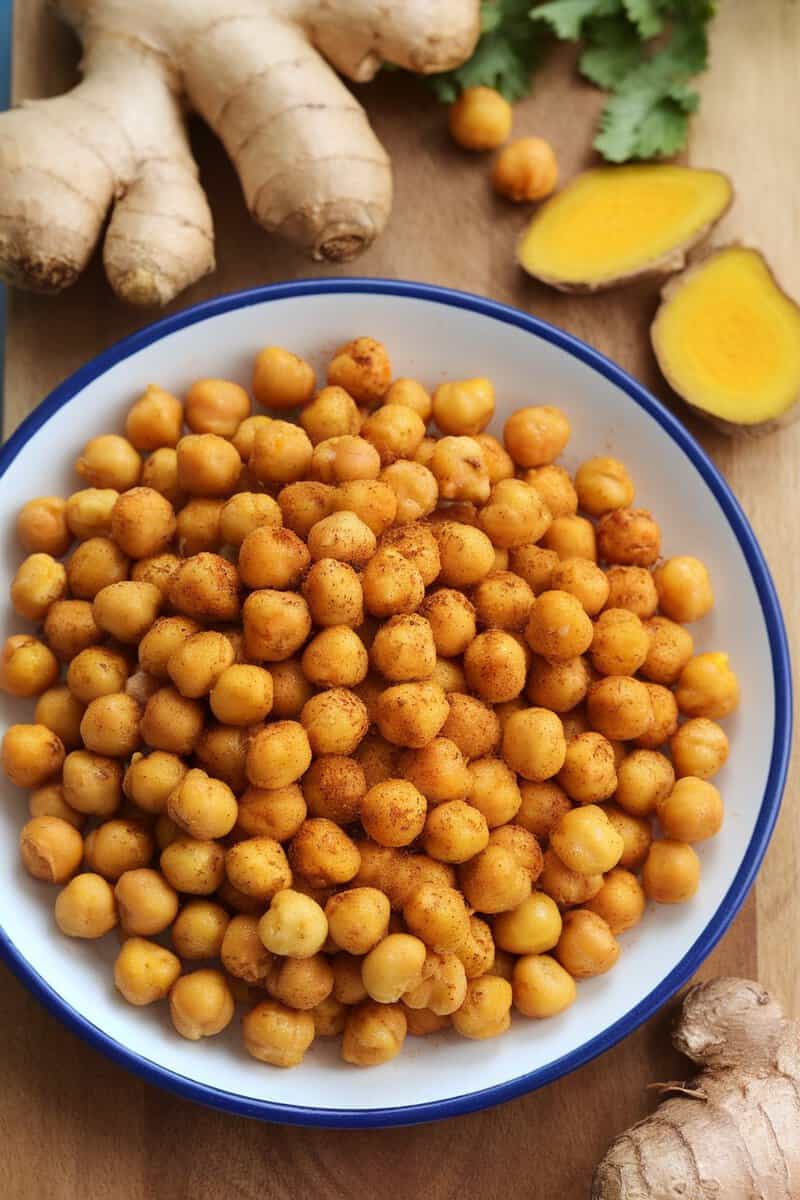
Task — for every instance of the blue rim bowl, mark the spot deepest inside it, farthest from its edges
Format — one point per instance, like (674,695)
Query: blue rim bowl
(770,804)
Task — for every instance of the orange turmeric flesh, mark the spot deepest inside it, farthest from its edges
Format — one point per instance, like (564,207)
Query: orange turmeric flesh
(728,339)
(613,224)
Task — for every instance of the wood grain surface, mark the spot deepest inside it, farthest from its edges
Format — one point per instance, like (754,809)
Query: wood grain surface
(74,1126)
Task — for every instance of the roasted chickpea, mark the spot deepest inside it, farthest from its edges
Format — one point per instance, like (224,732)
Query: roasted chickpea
(707,687)
(202,806)
(38,583)
(586,841)
(70,627)
(442,988)
(588,775)
(411,394)
(486,1011)
(336,657)
(584,580)
(242,695)
(348,987)
(86,908)
(276,1034)
(699,747)
(669,650)
(244,513)
(535,565)
(665,717)
(160,642)
(208,465)
(412,714)
(344,459)
(644,778)
(372,501)
(206,587)
(415,487)
(449,675)
(495,666)
(533,743)
(275,624)
(332,413)
(282,453)
(472,725)
(466,554)
(127,609)
(526,170)
(636,834)
(494,881)
(31,754)
(27,666)
(301,983)
(558,686)
(42,526)
(334,787)
(535,436)
(531,928)
(258,867)
(198,526)
(358,919)
(242,952)
(464,407)
(555,488)
(438,770)
(515,514)
(172,722)
(455,831)
(587,947)
(216,406)
(571,537)
(363,369)
(335,721)
(437,914)
(565,886)
(50,848)
(323,853)
(61,713)
(275,813)
(198,661)
(603,484)
(671,874)
(144,971)
(620,901)
(294,925)
(542,806)
(154,420)
(392,966)
(201,1004)
(92,784)
(629,536)
(281,379)
(344,537)
(632,588)
(245,435)
(109,461)
(692,811)
(374,1034)
(290,688)
(48,801)
(522,845)
(110,725)
(425,451)
(89,512)
(620,644)
(502,600)
(395,431)
(451,618)
(118,846)
(558,628)
(480,119)
(541,986)
(304,503)
(95,563)
(334,594)
(147,902)
(404,649)
(393,812)
(460,469)
(142,522)
(619,707)
(684,589)
(278,755)
(159,472)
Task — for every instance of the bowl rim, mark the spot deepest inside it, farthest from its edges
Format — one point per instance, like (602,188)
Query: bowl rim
(768,811)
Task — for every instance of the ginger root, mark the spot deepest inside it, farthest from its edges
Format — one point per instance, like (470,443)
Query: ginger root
(612,225)
(310,166)
(727,340)
(731,1133)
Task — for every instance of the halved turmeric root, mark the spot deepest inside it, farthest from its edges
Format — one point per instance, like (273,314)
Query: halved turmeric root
(727,339)
(612,225)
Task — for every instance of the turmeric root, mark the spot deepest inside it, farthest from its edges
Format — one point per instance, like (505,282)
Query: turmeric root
(731,1133)
(310,166)
(612,225)
(727,340)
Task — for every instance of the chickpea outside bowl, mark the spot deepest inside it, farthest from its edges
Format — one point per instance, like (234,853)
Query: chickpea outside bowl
(350,737)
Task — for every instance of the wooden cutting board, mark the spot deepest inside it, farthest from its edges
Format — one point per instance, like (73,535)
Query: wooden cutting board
(80,1126)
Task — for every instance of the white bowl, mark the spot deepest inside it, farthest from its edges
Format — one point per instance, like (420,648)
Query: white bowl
(432,334)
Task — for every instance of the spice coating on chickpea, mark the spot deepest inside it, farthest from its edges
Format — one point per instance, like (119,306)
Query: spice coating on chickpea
(708,687)
(558,627)
(42,526)
(363,369)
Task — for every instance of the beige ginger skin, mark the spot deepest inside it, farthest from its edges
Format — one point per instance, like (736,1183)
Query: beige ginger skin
(310,166)
(732,1132)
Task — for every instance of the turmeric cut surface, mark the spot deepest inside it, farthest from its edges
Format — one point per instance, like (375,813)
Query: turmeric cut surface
(614,224)
(728,340)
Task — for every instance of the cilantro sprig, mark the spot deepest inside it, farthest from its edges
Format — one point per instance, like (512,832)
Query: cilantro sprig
(643,52)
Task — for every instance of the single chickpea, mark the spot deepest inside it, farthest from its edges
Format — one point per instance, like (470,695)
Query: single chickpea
(201,1004)
(455,831)
(586,841)
(334,595)
(363,369)
(404,649)
(541,986)
(451,617)
(535,565)
(126,610)
(348,987)
(395,431)
(437,914)
(31,755)
(242,695)
(415,487)
(27,666)
(442,988)
(515,514)
(50,848)
(589,775)
(276,1034)
(160,642)
(40,581)
(542,805)
(332,413)
(393,813)
(555,487)
(393,966)
(669,650)
(620,901)
(464,407)
(118,846)
(412,714)
(110,725)
(275,812)
(565,886)
(86,908)
(629,536)
(571,537)
(42,526)
(323,853)
(531,928)
(684,589)
(208,465)
(276,624)
(206,587)
(692,812)
(699,747)
(495,666)
(336,657)
(166,831)
(522,846)
(301,983)
(536,436)
(632,588)
(438,770)
(290,688)
(70,627)
(533,744)
(281,453)
(147,903)
(493,881)
(281,379)
(304,503)
(294,925)
(194,866)
(242,952)
(498,461)
(278,755)
(486,1011)
(93,565)
(198,526)
(411,394)
(619,707)
(358,919)
(92,784)
(472,725)
(620,643)
(89,512)
(378,760)
(245,435)
(559,686)
(244,513)
(466,553)
(172,722)
(372,501)
(258,867)
(344,459)
(216,406)
(502,600)
(344,537)
(480,119)
(671,874)
(477,952)
(334,787)
(391,585)
(154,420)
(202,806)
(374,1034)
(707,687)
(636,833)
(109,461)
(558,627)
(587,947)
(416,543)
(142,522)
(526,170)
(48,801)
(460,470)
(603,485)
(644,778)
(665,717)
(61,713)
(335,721)
(198,661)
(144,971)
(583,579)
(160,472)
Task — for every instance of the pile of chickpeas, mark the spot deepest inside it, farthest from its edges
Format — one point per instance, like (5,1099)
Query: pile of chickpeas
(367,730)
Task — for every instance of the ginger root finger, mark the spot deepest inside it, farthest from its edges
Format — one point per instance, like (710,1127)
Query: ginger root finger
(733,1132)
(613,225)
(727,340)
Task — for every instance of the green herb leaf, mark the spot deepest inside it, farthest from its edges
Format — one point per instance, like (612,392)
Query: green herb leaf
(566,18)
(646,16)
(613,50)
(508,51)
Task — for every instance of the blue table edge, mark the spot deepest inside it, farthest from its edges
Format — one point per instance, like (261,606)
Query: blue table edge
(768,811)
